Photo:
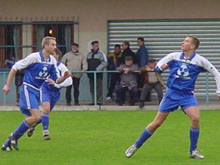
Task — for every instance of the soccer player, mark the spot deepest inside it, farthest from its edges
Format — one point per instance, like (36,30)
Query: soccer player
(50,95)
(38,66)
(184,68)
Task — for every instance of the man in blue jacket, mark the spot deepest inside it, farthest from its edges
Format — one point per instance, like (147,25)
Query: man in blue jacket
(142,60)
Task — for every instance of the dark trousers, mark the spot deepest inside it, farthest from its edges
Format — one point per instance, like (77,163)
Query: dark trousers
(140,81)
(17,93)
(121,94)
(148,87)
(98,87)
(113,79)
(76,82)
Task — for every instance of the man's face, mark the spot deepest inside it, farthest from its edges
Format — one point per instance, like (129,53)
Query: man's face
(51,46)
(124,46)
(128,62)
(152,64)
(75,48)
(187,44)
(140,43)
(117,50)
(95,47)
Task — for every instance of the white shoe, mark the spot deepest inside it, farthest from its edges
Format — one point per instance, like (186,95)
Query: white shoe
(108,98)
(195,154)
(130,151)
(46,135)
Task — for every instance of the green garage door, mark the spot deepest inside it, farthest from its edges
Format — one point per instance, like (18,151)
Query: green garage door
(165,36)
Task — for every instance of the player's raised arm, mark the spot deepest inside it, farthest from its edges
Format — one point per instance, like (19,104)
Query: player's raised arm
(163,63)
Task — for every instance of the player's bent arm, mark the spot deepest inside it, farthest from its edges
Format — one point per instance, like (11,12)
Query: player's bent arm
(65,76)
(11,75)
(210,68)
(163,63)
(68,81)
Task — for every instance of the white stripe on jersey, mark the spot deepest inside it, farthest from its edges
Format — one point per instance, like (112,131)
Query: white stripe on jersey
(27,97)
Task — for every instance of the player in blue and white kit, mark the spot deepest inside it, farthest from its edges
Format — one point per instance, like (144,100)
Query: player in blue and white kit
(38,67)
(50,95)
(184,68)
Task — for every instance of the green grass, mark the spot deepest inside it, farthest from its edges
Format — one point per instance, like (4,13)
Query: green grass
(100,138)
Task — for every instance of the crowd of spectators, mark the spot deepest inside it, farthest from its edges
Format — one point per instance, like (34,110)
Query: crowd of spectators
(133,73)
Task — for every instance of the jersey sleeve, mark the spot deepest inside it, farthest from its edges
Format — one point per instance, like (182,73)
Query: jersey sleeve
(210,68)
(66,82)
(25,62)
(164,60)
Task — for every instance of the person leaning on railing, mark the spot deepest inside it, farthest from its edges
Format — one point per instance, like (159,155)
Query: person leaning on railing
(128,81)
(153,80)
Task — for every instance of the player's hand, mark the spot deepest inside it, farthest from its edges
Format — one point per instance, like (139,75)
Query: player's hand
(50,81)
(67,74)
(164,66)
(6,89)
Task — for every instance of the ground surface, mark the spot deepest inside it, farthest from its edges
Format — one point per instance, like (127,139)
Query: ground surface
(101,137)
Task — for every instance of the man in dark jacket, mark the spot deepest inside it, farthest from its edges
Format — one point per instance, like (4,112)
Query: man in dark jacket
(142,60)
(128,52)
(97,61)
(114,61)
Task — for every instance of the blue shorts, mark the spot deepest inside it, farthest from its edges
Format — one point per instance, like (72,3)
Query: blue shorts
(49,96)
(29,99)
(173,99)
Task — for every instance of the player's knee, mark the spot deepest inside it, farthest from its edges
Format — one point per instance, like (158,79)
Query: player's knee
(46,110)
(195,119)
(37,117)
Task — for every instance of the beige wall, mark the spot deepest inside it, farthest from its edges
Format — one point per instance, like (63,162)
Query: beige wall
(93,14)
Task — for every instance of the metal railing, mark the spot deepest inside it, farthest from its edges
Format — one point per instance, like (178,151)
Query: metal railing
(5,73)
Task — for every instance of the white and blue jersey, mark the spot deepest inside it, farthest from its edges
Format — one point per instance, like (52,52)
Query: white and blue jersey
(50,93)
(37,70)
(182,78)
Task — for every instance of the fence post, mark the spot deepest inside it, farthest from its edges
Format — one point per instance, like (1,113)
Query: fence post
(207,89)
(95,87)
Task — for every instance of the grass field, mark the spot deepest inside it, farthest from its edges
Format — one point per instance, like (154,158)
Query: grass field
(101,137)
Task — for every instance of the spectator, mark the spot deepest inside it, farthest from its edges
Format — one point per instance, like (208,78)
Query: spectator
(153,80)
(97,61)
(128,52)
(142,54)
(75,61)
(18,77)
(10,61)
(128,81)
(142,60)
(114,61)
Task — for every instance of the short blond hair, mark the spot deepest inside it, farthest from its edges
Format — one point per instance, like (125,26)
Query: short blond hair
(46,40)
(195,41)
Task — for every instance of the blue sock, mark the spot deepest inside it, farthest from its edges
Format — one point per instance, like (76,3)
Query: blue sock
(7,142)
(194,135)
(145,135)
(22,128)
(45,121)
